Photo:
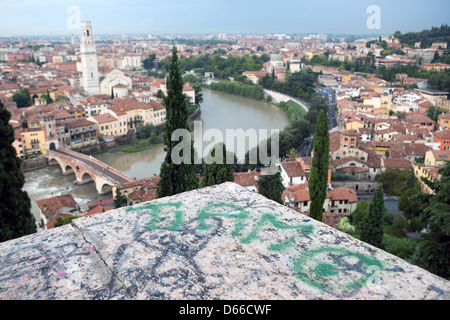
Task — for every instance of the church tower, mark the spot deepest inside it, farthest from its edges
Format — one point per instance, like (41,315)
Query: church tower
(89,64)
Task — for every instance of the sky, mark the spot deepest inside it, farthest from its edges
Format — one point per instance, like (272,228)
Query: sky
(59,17)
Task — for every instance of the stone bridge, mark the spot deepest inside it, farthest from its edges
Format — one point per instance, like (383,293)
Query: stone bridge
(87,169)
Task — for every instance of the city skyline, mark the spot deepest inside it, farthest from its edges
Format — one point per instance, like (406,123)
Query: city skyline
(51,17)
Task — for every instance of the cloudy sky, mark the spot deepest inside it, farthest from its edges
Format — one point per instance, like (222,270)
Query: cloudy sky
(59,17)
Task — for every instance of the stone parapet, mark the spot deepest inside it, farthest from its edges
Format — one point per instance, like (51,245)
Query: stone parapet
(221,242)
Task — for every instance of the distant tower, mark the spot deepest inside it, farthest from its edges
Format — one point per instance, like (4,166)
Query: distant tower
(72,40)
(89,64)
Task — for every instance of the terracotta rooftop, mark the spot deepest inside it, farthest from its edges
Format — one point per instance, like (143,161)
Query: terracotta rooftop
(49,206)
(79,123)
(97,209)
(104,118)
(445,116)
(444,134)
(419,118)
(441,155)
(143,194)
(335,141)
(246,179)
(293,168)
(397,163)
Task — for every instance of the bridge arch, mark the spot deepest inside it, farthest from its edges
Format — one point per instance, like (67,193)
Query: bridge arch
(84,177)
(106,188)
(55,161)
(68,169)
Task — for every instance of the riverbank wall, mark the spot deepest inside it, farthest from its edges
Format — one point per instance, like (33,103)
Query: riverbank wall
(34,164)
(106,145)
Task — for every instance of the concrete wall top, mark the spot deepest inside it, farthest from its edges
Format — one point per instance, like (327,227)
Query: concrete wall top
(221,242)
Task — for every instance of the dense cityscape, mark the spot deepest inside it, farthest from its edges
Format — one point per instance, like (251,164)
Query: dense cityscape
(363,121)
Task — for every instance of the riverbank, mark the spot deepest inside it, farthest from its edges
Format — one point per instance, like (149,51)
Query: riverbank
(136,145)
(34,164)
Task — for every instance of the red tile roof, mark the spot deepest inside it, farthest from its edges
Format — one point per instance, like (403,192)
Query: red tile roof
(79,123)
(98,209)
(443,135)
(247,179)
(397,163)
(104,118)
(51,205)
(293,168)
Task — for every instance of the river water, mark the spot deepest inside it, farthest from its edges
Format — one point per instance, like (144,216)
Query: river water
(220,111)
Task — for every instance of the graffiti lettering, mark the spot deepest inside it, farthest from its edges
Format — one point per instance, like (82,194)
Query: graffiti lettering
(337,274)
(336,271)
(330,269)
(155,214)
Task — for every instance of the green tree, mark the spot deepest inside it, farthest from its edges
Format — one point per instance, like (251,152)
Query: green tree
(433,252)
(148,63)
(401,247)
(410,205)
(198,93)
(433,113)
(301,129)
(119,200)
(345,226)
(16,219)
(216,170)
(372,225)
(397,227)
(60,222)
(271,186)
(393,180)
(175,178)
(287,141)
(292,155)
(318,179)
(22,99)
(358,216)
(48,98)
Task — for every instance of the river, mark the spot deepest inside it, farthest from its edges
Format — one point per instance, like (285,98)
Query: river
(219,111)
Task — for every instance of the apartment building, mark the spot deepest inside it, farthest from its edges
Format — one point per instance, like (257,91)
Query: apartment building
(338,200)
(33,141)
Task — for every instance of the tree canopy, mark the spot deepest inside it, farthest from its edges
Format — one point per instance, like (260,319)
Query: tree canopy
(215,169)
(16,219)
(22,99)
(176,177)
(271,186)
(372,225)
(318,179)
(433,253)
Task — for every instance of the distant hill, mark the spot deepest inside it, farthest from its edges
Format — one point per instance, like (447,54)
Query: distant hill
(427,37)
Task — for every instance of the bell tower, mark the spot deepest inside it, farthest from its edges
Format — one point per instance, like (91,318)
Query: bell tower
(89,64)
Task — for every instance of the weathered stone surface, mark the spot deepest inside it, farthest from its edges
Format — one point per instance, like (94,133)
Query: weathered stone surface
(221,242)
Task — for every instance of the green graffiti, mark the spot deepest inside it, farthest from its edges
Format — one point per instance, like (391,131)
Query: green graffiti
(205,213)
(325,270)
(155,214)
(325,275)
(330,269)
(271,219)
